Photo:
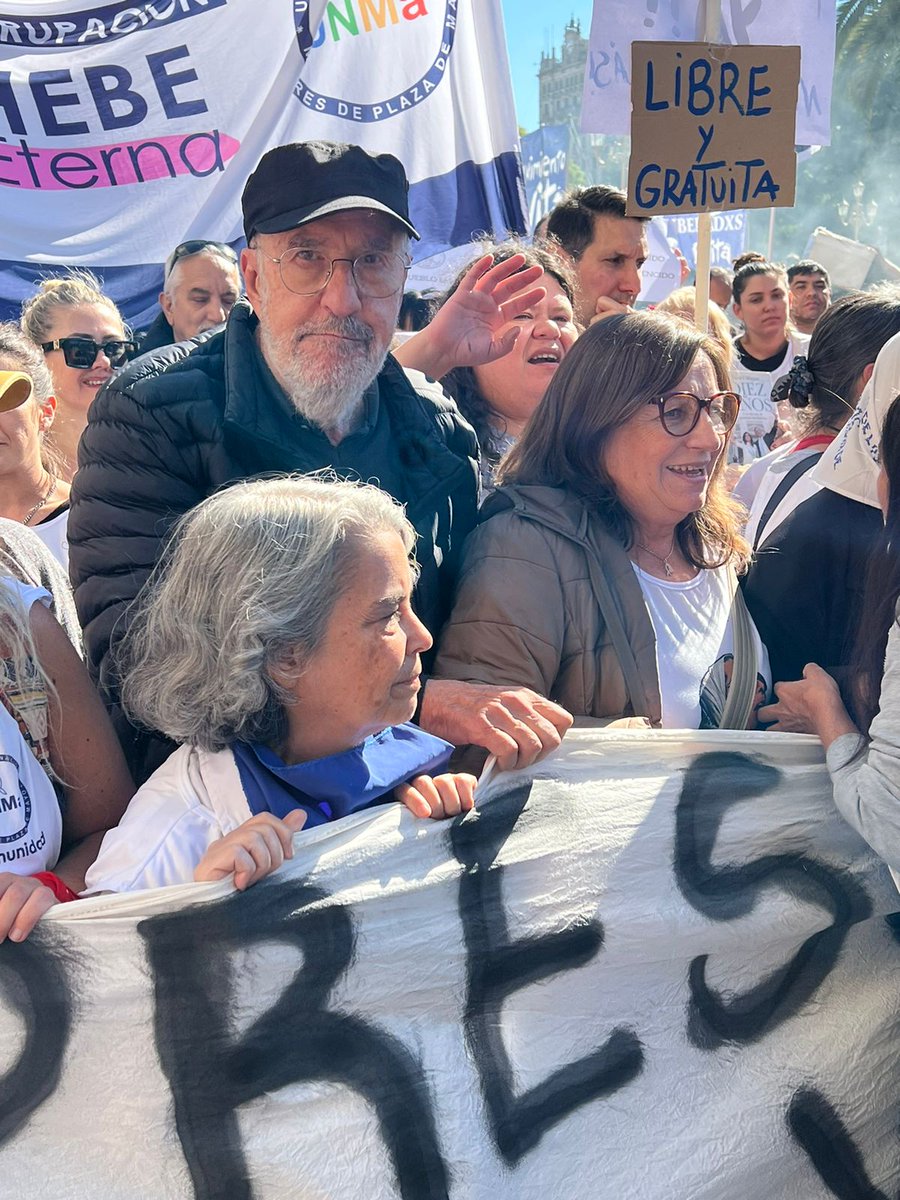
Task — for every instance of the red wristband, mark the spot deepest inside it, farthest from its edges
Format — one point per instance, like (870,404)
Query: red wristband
(60,890)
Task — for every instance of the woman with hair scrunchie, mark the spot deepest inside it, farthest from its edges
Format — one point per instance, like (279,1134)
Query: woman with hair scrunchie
(805,586)
(823,387)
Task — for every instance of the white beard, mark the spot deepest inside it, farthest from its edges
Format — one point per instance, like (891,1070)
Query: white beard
(325,378)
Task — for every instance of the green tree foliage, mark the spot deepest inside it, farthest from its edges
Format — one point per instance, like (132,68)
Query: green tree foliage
(865,127)
(868,60)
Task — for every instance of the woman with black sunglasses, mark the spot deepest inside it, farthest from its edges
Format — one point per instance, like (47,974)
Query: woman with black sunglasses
(85,340)
(604,572)
(32,490)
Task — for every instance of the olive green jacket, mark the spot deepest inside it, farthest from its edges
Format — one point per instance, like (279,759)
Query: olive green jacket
(547,599)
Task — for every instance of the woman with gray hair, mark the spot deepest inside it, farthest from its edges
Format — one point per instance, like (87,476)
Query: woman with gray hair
(277,643)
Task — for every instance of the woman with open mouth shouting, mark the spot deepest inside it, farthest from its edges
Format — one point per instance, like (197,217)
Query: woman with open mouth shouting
(603,574)
(85,341)
(497,397)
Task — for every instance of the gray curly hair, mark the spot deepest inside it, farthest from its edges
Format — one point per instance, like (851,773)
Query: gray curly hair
(250,577)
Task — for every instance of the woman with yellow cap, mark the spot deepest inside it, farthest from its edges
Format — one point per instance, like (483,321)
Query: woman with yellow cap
(31,488)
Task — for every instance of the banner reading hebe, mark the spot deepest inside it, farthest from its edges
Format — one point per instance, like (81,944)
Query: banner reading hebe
(126,128)
(659,966)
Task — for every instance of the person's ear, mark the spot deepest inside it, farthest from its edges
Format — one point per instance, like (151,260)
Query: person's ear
(287,666)
(47,411)
(165,303)
(250,272)
(866,374)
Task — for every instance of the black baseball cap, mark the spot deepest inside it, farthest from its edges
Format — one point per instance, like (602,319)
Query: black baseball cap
(302,181)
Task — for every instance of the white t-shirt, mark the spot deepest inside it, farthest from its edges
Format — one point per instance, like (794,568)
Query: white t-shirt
(54,533)
(30,817)
(758,411)
(695,647)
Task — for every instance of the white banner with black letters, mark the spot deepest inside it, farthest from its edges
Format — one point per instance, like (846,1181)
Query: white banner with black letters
(659,966)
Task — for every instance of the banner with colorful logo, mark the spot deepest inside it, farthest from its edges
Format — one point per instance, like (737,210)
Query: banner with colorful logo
(810,24)
(128,128)
(659,966)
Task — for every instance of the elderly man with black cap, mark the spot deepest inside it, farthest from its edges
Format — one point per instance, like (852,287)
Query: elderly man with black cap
(299,380)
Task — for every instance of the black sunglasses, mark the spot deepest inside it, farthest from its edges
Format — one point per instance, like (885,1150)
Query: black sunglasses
(194,246)
(81,352)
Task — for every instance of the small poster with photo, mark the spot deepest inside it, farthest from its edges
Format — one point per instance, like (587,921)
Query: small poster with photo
(756,418)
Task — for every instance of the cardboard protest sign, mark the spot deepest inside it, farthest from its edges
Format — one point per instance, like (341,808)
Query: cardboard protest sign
(615,24)
(712,127)
(657,966)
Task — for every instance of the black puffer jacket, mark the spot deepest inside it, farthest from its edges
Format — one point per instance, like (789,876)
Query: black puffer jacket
(177,425)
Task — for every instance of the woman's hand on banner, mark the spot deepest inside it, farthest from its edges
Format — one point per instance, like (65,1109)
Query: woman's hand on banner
(812,704)
(437,796)
(23,901)
(252,851)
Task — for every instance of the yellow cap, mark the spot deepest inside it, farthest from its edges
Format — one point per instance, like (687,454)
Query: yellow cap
(15,388)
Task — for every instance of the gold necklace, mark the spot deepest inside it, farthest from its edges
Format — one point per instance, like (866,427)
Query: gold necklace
(26,520)
(659,557)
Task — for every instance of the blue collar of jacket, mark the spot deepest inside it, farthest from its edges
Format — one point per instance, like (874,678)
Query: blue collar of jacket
(332,787)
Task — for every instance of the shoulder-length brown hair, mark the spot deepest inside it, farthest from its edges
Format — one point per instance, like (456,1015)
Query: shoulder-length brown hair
(606,378)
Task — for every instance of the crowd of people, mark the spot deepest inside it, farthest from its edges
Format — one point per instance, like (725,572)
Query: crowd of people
(311,575)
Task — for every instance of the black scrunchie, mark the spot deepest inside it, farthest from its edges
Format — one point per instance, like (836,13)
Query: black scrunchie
(799,380)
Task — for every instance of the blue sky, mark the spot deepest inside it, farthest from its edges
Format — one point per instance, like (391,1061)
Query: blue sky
(530,28)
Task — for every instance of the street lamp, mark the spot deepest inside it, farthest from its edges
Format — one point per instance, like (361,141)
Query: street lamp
(857,214)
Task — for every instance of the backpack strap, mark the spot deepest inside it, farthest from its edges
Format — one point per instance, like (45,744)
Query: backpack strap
(742,690)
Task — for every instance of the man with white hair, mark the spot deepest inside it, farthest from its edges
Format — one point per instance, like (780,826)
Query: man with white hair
(299,380)
(201,284)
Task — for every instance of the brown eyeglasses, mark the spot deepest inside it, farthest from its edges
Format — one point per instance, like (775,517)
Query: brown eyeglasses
(679,412)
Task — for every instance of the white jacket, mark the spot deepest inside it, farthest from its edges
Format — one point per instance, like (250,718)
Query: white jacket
(193,799)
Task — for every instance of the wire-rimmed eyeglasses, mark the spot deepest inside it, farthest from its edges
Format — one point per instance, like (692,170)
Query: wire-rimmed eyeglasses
(377,274)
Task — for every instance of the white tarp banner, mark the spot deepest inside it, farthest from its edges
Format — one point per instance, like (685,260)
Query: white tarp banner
(126,128)
(809,24)
(657,967)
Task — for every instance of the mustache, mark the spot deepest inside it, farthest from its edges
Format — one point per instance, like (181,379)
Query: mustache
(349,327)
